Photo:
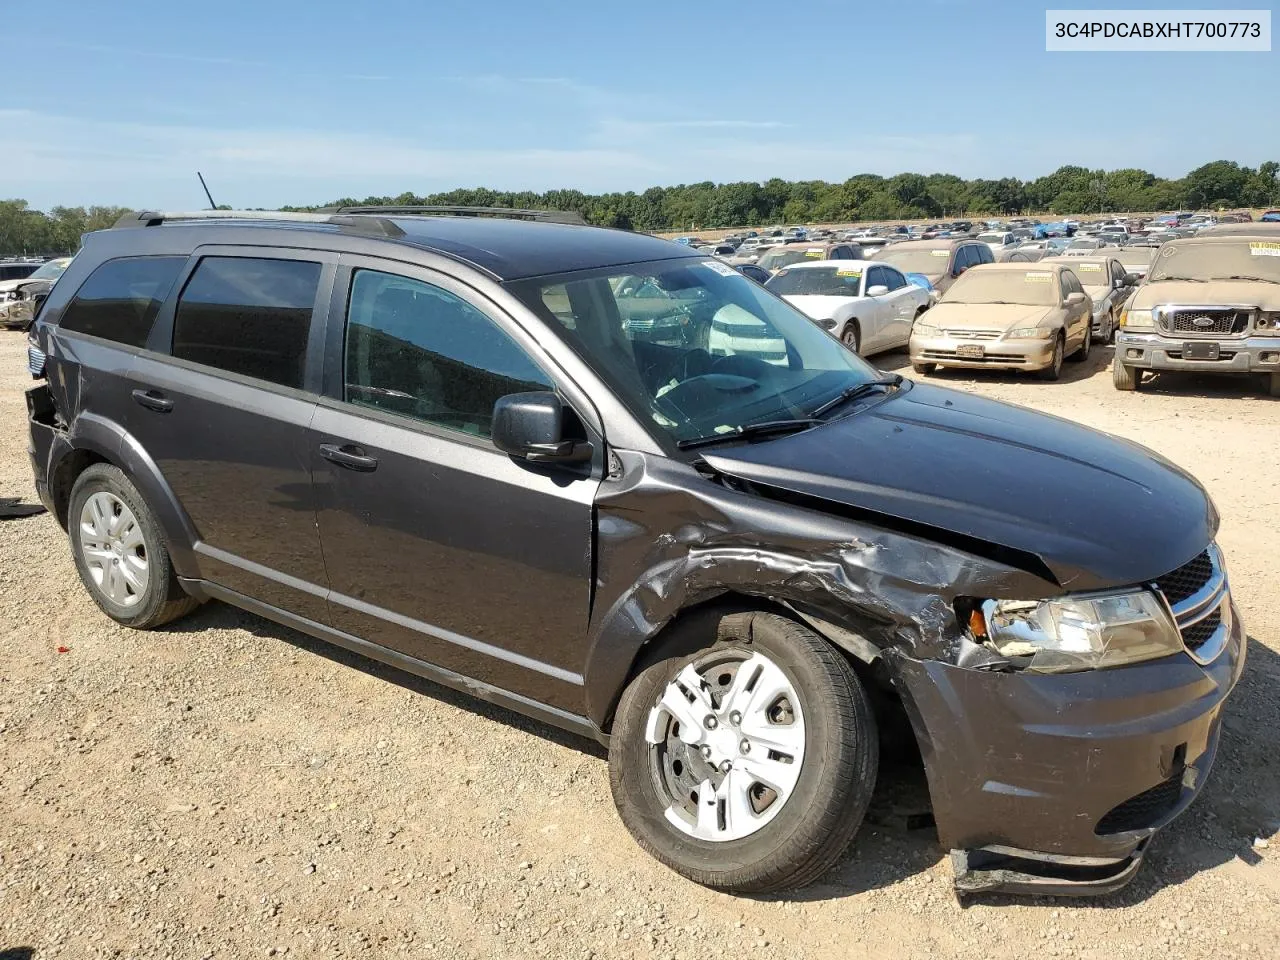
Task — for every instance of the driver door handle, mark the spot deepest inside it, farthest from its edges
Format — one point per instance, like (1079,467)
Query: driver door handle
(350,456)
(153,400)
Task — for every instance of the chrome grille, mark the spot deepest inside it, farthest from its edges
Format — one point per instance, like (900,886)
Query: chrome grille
(1198,595)
(973,334)
(1205,322)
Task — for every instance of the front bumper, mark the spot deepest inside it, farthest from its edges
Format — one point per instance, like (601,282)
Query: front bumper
(15,313)
(996,354)
(1151,351)
(1055,783)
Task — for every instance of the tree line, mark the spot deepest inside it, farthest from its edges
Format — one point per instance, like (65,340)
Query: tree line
(1069,190)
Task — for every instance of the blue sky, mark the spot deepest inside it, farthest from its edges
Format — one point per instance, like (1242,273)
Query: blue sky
(305,101)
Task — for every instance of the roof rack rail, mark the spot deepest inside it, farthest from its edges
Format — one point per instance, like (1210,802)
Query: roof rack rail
(152,218)
(514,213)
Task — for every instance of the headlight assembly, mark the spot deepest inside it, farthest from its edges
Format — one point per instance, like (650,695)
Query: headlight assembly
(1137,320)
(925,330)
(1080,633)
(1030,333)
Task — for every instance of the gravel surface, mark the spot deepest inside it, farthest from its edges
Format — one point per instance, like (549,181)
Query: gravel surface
(229,788)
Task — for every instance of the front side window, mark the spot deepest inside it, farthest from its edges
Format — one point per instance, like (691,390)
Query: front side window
(741,355)
(121,298)
(248,316)
(419,351)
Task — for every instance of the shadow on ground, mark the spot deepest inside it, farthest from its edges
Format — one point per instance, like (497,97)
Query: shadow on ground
(1241,801)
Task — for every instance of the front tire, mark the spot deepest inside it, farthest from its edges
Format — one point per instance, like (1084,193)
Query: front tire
(1124,377)
(744,757)
(119,553)
(1054,370)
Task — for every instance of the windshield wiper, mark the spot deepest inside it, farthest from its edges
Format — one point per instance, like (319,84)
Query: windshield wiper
(858,390)
(1188,279)
(1237,276)
(749,430)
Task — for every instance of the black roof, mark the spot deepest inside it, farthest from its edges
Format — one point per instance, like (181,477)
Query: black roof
(505,248)
(517,249)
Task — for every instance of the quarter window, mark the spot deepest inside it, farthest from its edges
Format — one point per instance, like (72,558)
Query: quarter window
(121,298)
(419,351)
(248,316)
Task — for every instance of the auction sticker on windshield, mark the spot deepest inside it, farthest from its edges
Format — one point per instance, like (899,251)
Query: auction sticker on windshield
(1038,277)
(939,253)
(1089,267)
(1264,249)
(721,268)
(848,273)
(813,253)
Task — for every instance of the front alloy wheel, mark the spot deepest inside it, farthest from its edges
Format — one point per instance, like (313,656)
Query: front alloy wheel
(743,754)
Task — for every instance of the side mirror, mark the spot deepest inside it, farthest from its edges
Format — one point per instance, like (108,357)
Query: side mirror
(531,426)
(957,271)
(1130,279)
(879,290)
(1074,299)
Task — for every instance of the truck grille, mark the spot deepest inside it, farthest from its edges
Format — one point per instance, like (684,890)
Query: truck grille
(1199,597)
(1205,322)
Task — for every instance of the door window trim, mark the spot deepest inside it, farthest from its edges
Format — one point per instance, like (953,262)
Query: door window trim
(160,342)
(334,352)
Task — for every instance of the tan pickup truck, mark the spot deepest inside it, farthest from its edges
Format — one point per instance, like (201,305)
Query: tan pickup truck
(1209,304)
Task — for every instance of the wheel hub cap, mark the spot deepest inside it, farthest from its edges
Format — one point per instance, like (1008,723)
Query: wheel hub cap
(113,549)
(726,745)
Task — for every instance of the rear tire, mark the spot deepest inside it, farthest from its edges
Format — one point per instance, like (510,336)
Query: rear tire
(1274,386)
(821,805)
(119,553)
(852,336)
(1123,377)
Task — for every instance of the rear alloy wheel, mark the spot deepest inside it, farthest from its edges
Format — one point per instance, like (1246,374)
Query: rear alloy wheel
(852,336)
(1054,370)
(746,765)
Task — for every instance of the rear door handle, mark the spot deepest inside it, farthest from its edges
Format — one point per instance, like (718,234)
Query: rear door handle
(350,456)
(153,400)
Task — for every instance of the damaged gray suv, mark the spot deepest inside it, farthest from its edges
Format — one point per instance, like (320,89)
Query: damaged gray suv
(434,437)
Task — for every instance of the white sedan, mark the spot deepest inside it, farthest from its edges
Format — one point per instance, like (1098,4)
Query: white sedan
(868,305)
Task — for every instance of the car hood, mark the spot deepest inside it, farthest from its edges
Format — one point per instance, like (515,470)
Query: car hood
(985,316)
(7,285)
(1248,292)
(819,307)
(1094,510)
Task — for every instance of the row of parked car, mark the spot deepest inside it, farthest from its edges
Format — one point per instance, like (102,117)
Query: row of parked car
(21,283)
(1202,302)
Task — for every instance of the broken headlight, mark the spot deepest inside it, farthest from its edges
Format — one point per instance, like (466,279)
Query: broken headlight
(1080,633)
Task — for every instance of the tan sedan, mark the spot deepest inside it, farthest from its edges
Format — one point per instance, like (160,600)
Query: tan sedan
(1006,316)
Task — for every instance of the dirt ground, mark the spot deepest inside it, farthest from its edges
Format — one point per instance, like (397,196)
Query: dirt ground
(229,788)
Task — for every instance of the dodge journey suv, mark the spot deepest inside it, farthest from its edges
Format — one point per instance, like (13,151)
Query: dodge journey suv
(436,438)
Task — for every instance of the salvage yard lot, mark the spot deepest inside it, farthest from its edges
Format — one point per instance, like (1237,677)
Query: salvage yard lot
(227,787)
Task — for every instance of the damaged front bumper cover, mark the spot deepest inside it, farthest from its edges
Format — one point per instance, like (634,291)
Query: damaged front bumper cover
(1055,784)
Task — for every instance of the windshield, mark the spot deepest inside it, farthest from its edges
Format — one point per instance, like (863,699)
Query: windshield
(723,355)
(991,237)
(780,257)
(1031,287)
(50,271)
(1215,260)
(1084,244)
(929,261)
(817,281)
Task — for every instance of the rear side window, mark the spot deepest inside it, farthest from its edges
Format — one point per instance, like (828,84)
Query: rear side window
(121,298)
(248,316)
